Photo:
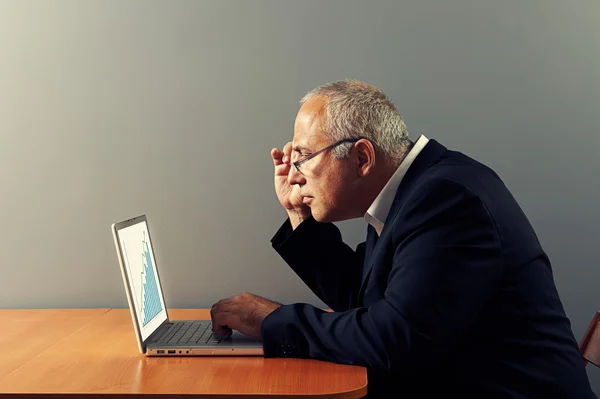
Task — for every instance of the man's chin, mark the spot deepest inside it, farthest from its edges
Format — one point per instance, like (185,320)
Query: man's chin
(318,216)
(330,216)
(323,217)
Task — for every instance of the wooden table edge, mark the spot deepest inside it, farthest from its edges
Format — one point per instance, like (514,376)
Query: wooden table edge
(354,394)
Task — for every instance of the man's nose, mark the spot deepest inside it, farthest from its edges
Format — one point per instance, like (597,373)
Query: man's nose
(294,177)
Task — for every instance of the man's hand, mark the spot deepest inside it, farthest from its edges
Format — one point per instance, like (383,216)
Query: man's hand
(244,313)
(288,194)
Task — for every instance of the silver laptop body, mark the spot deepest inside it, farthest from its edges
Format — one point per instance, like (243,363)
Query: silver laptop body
(156,334)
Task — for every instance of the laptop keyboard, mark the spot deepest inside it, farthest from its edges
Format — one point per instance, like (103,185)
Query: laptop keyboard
(189,333)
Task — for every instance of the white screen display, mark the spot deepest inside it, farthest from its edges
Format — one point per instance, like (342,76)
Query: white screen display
(143,279)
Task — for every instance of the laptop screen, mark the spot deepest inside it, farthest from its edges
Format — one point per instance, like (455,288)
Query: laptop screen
(144,284)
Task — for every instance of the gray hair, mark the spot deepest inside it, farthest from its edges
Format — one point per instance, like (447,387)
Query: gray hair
(356,109)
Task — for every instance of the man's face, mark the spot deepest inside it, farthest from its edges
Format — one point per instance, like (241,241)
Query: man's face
(325,182)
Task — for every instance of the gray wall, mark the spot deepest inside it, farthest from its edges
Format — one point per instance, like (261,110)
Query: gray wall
(110,109)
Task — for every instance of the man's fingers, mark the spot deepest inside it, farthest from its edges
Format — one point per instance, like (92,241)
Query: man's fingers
(287,152)
(220,315)
(223,331)
(219,326)
(280,157)
(217,316)
(282,170)
(277,156)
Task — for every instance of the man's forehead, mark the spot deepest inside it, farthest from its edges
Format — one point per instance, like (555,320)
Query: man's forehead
(307,131)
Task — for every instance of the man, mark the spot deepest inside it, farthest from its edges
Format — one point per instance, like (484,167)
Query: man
(450,294)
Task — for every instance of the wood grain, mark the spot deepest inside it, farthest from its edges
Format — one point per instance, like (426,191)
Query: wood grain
(102,358)
(26,334)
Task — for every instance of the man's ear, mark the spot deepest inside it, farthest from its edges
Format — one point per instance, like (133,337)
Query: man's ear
(365,157)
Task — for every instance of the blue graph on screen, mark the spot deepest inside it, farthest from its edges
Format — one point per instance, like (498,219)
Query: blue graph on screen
(151,305)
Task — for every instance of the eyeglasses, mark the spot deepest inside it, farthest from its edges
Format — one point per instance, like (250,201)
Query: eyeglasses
(314,154)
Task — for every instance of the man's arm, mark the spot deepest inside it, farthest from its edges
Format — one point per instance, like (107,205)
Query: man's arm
(444,269)
(317,254)
(314,251)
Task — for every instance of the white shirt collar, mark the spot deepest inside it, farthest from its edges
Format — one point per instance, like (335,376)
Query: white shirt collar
(380,208)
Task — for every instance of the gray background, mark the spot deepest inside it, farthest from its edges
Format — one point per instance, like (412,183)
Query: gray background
(110,109)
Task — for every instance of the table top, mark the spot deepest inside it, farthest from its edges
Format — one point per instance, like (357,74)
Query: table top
(93,351)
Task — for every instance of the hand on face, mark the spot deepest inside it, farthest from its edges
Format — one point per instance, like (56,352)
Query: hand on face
(288,194)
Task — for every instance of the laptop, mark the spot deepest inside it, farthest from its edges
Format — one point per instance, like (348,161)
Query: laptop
(156,334)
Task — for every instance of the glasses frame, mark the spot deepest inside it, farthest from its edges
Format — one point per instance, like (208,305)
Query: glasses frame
(314,154)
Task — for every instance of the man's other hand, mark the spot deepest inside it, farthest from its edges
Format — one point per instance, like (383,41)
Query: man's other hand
(244,313)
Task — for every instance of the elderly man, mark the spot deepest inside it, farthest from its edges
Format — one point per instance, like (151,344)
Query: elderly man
(451,293)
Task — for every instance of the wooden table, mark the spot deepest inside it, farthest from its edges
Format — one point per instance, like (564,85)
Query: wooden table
(92,352)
